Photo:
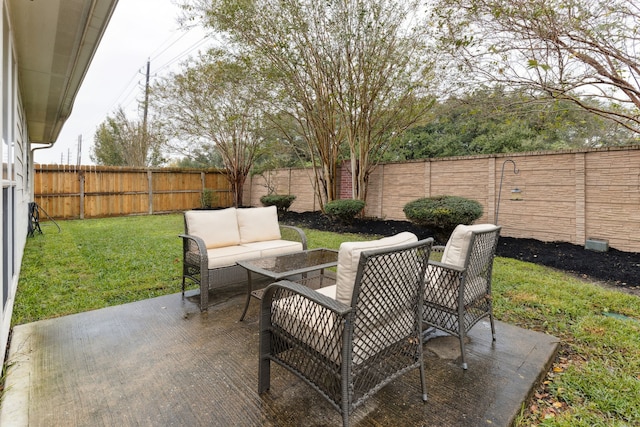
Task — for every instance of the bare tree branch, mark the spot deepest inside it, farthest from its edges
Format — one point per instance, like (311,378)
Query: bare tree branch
(584,51)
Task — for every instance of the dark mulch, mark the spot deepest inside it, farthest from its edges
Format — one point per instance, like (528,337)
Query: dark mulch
(617,269)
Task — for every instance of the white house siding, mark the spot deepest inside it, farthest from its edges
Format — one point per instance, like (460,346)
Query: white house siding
(16,185)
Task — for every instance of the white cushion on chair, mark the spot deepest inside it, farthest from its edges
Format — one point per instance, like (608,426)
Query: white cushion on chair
(218,228)
(274,247)
(455,253)
(329,291)
(317,329)
(227,256)
(349,257)
(258,224)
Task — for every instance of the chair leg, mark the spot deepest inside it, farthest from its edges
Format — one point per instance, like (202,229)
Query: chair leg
(461,335)
(493,327)
(345,391)
(204,297)
(423,378)
(204,291)
(264,374)
(464,363)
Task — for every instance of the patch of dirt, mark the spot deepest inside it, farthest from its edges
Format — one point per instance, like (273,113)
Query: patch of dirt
(613,269)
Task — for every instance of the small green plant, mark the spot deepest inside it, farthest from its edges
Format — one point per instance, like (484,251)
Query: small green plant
(206,198)
(281,201)
(344,210)
(442,214)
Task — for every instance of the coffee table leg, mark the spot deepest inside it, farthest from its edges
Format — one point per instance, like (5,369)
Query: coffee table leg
(249,289)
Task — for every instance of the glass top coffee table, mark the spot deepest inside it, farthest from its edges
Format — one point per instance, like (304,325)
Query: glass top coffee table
(285,266)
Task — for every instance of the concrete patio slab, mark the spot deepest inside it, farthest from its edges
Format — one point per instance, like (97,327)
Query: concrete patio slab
(160,362)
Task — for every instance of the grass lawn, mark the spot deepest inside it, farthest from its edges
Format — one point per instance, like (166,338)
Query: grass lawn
(595,380)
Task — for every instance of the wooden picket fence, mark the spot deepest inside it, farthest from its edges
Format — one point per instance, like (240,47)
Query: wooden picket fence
(67,192)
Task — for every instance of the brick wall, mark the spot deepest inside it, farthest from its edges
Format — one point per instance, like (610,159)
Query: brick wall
(345,181)
(566,196)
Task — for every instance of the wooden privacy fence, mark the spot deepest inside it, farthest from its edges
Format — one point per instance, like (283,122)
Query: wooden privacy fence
(68,192)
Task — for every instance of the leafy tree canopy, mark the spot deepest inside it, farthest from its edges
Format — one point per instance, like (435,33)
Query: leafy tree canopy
(498,121)
(119,141)
(216,102)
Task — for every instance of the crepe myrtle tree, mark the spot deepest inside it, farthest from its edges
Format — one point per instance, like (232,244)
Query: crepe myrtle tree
(215,103)
(575,50)
(350,74)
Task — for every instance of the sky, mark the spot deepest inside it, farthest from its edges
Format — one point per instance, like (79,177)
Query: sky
(139,30)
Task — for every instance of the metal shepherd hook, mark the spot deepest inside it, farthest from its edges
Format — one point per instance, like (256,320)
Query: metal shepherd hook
(516,172)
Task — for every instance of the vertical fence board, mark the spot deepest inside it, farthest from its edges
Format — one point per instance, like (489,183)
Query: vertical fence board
(118,191)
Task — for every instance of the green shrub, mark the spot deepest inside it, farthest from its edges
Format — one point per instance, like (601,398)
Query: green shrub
(281,201)
(206,198)
(344,210)
(442,214)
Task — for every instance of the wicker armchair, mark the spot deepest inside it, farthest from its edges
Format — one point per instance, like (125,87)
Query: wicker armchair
(458,288)
(347,352)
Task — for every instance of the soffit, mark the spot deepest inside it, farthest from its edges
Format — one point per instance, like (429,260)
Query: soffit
(55,41)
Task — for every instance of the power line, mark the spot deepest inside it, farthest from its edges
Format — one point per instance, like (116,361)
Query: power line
(127,99)
(128,89)
(185,52)
(129,92)
(155,55)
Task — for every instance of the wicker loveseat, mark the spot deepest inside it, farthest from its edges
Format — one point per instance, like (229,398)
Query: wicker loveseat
(215,239)
(350,339)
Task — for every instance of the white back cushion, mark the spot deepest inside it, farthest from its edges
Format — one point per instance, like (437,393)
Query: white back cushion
(217,228)
(457,248)
(258,224)
(349,257)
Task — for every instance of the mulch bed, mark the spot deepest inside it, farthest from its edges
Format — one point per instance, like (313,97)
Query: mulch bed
(615,268)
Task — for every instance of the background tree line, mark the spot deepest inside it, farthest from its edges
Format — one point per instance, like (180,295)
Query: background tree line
(300,82)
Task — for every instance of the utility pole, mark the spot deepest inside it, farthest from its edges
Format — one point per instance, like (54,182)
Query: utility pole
(79,162)
(146,109)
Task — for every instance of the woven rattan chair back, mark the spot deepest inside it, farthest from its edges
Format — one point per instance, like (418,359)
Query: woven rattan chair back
(347,353)
(457,297)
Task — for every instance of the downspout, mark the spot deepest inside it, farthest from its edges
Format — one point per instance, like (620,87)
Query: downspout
(32,168)
(49,145)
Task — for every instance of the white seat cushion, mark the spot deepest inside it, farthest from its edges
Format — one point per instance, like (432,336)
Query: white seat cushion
(225,257)
(319,333)
(218,228)
(349,257)
(455,253)
(258,224)
(329,291)
(274,247)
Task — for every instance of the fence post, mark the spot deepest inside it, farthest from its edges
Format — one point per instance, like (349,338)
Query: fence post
(150,184)
(81,178)
(581,202)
